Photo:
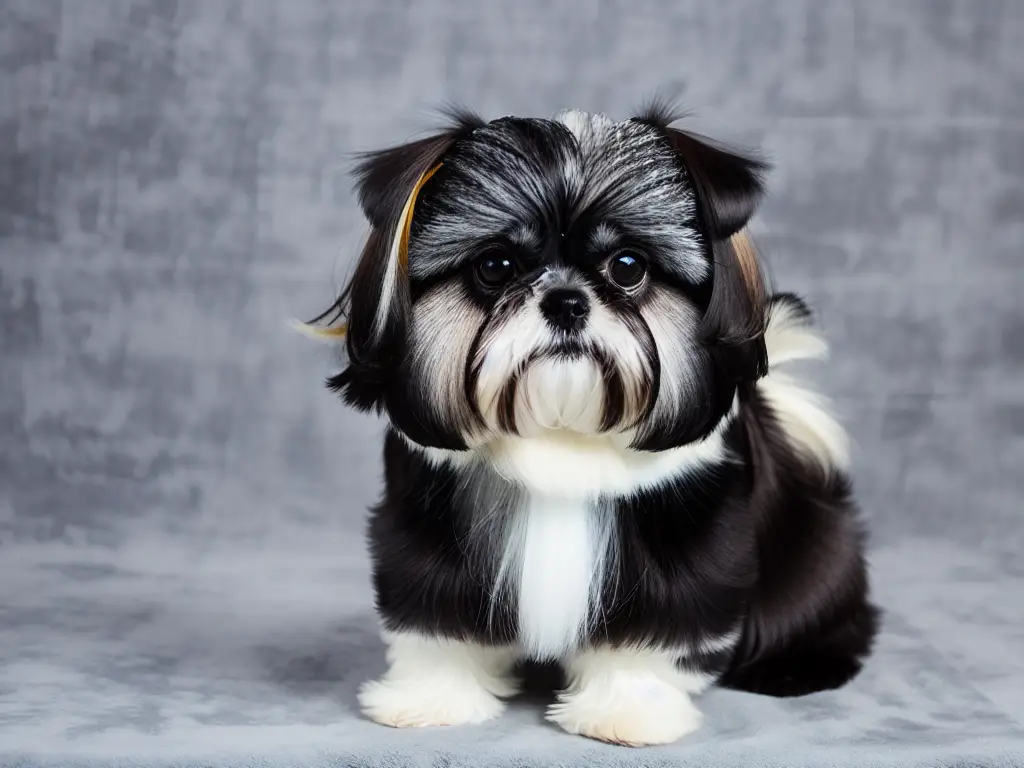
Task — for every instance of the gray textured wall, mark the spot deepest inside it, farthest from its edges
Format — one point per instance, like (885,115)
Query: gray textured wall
(172,188)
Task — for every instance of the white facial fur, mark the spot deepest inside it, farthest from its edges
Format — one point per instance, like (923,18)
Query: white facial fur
(556,392)
(673,322)
(500,184)
(444,322)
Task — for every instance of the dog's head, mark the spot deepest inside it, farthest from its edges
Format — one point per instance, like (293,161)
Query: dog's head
(579,274)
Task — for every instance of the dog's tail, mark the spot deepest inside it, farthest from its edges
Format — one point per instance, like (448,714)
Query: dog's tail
(804,415)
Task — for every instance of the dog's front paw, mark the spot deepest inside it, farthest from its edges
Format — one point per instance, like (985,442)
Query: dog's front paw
(416,703)
(439,681)
(631,710)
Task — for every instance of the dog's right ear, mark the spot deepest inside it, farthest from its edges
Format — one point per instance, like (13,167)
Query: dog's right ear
(375,305)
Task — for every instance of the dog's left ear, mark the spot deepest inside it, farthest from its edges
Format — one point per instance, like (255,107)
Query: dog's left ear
(728,186)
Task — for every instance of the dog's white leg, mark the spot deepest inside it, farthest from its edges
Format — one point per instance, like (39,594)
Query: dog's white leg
(627,696)
(437,681)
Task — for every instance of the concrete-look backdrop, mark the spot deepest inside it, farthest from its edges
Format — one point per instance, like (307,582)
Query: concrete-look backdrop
(182,573)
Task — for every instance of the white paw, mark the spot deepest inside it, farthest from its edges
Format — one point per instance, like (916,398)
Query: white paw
(627,708)
(416,703)
(437,681)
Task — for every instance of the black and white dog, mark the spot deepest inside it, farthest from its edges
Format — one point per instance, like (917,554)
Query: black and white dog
(592,457)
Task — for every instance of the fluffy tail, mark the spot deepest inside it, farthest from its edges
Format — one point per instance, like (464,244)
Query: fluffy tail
(804,415)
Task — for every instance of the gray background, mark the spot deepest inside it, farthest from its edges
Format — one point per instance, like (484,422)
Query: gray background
(182,575)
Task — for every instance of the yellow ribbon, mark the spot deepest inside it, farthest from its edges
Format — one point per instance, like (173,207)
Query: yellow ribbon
(403,247)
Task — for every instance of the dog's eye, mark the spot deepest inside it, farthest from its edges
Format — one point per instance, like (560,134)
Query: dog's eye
(627,269)
(495,268)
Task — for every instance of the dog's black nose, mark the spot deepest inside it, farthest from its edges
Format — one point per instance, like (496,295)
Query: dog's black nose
(565,308)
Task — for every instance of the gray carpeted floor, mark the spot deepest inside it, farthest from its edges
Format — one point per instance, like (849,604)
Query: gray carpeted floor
(182,576)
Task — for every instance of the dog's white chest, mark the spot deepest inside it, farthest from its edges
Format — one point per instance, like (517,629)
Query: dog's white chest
(559,546)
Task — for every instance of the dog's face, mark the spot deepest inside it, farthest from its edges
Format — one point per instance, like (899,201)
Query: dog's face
(578,274)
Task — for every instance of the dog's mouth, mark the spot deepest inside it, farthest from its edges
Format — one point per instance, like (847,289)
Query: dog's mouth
(566,348)
(571,380)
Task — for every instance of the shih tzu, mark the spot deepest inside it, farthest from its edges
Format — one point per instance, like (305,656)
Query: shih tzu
(592,457)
